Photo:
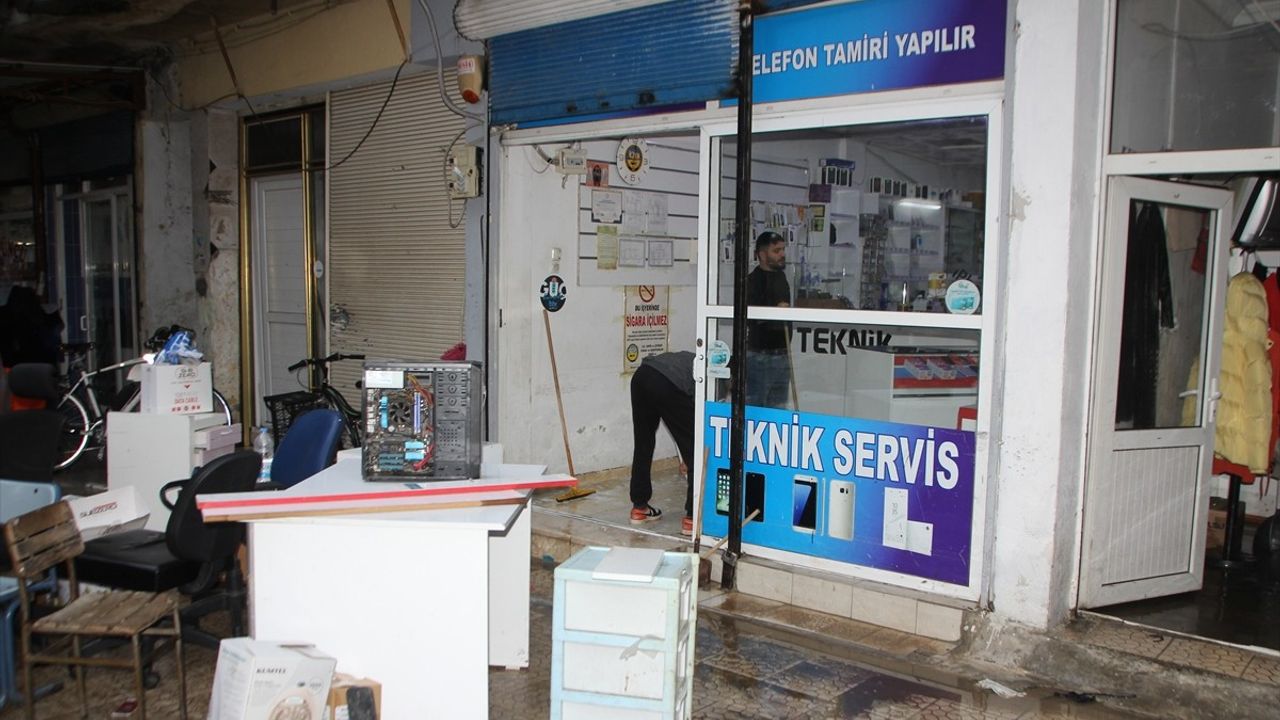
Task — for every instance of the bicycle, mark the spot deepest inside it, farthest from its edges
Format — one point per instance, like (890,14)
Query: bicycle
(85,415)
(286,407)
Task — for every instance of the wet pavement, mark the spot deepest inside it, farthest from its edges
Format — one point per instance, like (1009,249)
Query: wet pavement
(756,658)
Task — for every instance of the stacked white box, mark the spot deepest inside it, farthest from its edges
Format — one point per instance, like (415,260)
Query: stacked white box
(623,648)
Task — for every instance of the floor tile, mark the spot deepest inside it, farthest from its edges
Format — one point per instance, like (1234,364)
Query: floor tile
(1128,638)
(724,695)
(1207,656)
(1263,670)
(755,658)
(821,678)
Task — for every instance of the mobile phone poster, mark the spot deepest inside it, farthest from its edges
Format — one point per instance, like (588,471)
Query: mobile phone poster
(878,494)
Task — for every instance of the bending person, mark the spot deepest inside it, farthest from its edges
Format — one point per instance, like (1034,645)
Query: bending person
(661,390)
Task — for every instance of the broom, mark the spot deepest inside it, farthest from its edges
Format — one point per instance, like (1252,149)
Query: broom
(576,491)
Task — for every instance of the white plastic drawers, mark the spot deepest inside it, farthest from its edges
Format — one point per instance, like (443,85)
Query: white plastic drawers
(623,649)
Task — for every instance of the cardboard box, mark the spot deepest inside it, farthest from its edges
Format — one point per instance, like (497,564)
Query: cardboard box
(353,698)
(257,680)
(180,389)
(107,513)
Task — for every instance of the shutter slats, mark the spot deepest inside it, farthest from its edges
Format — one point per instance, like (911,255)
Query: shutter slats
(395,265)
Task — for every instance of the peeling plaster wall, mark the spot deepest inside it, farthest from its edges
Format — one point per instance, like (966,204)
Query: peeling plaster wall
(166,246)
(1042,355)
(216,212)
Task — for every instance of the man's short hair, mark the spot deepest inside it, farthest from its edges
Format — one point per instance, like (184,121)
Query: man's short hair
(767,238)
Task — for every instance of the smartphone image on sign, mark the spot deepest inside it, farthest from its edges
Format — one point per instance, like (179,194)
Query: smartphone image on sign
(895,518)
(804,504)
(840,506)
(722,491)
(754,496)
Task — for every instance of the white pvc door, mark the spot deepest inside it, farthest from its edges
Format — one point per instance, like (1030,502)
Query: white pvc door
(279,283)
(1155,390)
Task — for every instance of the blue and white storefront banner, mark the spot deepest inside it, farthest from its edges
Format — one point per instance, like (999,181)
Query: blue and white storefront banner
(877,494)
(876,45)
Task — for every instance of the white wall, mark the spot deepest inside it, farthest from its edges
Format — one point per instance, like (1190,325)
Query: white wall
(536,213)
(1042,358)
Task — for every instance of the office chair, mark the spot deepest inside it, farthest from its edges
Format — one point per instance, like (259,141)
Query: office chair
(189,555)
(30,439)
(310,445)
(47,537)
(18,497)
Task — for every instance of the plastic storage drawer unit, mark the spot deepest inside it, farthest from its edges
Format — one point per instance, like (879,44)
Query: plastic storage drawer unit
(623,648)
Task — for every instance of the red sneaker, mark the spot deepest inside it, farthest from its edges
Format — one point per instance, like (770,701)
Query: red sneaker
(686,526)
(646,514)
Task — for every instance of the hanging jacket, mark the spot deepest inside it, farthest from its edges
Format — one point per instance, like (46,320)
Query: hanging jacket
(1244,411)
(1148,306)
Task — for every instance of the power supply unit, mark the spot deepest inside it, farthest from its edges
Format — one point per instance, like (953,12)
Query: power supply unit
(422,420)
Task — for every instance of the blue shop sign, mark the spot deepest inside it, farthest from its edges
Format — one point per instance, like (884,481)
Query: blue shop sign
(878,494)
(876,45)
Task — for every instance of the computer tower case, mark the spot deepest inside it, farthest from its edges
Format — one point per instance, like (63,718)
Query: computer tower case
(422,420)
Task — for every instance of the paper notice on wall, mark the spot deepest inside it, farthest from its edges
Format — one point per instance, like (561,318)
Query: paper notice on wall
(631,252)
(661,253)
(644,213)
(607,247)
(606,206)
(644,326)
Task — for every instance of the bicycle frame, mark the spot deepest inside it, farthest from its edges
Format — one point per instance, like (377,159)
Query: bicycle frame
(94,408)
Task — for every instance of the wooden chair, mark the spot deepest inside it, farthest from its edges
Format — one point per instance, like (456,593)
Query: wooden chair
(44,538)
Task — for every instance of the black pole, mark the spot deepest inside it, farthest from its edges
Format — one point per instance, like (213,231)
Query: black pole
(741,259)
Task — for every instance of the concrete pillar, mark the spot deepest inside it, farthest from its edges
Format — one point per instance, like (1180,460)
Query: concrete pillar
(165,238)
(215,164)
(1054,93)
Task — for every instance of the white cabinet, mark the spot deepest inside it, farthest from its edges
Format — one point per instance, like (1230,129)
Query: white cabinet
(147,450)
(623,648)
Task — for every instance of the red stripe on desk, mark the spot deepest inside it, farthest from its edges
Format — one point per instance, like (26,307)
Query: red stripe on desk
(408,493)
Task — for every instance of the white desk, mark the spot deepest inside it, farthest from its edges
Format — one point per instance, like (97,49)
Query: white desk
(423,601)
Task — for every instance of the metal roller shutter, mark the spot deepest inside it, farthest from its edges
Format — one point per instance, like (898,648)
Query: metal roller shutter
(656,56)
(396,269)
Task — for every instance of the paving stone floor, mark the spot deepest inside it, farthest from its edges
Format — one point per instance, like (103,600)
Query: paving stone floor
(741,672)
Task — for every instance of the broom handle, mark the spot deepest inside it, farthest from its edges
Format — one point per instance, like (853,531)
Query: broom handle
(725,539)
(555,377)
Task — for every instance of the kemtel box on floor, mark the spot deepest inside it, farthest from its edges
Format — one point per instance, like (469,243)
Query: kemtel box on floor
(422,420)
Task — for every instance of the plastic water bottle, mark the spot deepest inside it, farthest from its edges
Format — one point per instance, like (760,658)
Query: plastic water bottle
(266,447)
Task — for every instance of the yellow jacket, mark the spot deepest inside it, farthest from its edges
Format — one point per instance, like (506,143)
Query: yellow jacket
(1244,411)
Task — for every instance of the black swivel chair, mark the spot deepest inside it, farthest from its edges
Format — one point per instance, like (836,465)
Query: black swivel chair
(189,555)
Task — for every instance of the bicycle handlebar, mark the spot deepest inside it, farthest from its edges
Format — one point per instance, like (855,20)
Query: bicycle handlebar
(335,357)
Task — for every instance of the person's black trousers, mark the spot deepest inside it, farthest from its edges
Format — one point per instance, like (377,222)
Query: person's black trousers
(654,398)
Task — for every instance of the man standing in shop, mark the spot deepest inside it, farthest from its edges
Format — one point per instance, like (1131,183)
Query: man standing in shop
(661,390)
(768,362)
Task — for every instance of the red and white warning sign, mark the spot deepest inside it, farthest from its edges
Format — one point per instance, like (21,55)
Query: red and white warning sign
(644,323)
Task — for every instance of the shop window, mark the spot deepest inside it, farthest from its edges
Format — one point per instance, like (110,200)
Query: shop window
(874,217)
(886,373)
(859,446)
(1195,76)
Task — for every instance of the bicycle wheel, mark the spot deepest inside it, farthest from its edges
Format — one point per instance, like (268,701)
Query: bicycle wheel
(220,405)
(75,431)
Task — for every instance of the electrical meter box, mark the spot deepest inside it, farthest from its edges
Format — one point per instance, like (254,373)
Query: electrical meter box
(422,420)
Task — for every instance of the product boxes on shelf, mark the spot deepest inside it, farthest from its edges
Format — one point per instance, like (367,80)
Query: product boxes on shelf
(107,513)
(177,389)
(257,680)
